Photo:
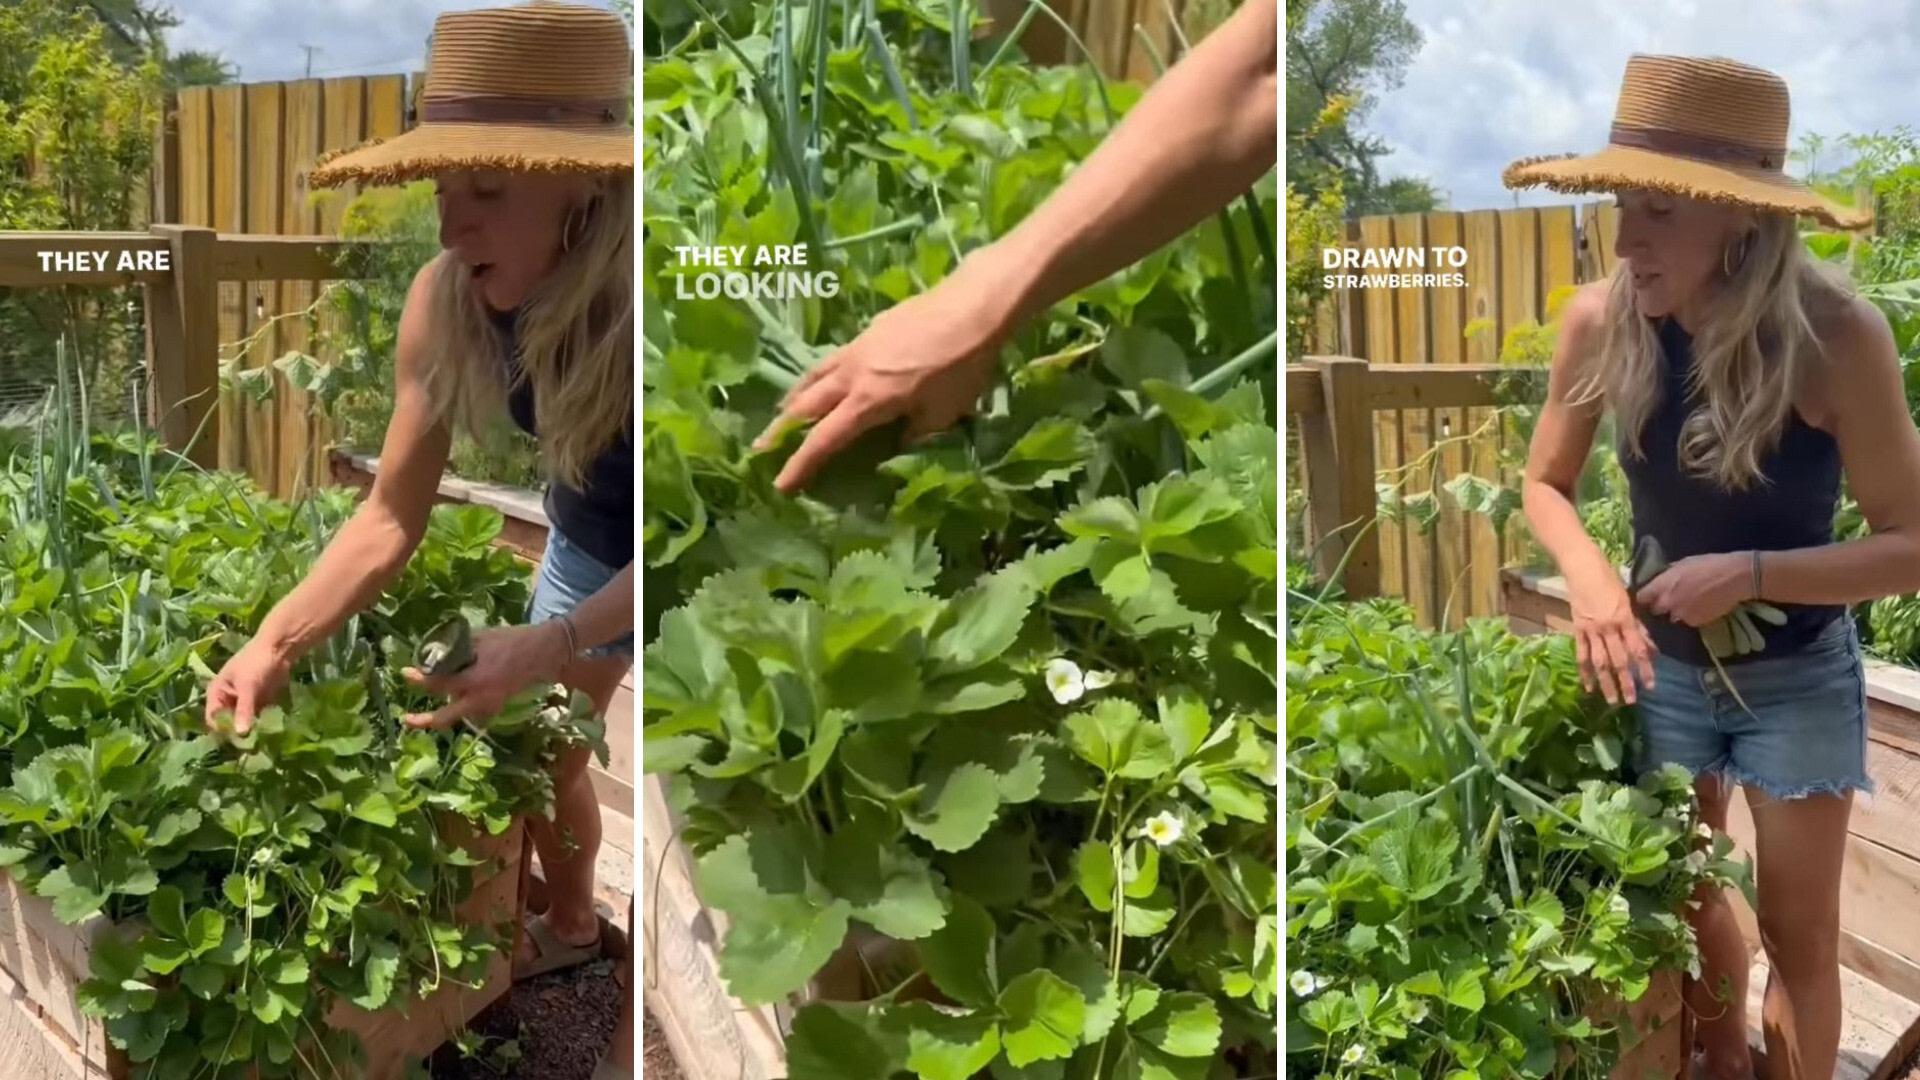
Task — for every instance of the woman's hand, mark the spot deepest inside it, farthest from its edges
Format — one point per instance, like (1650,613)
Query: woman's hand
(506,660)
(928,359)
(1701,589)
(250,681)
(1611,643)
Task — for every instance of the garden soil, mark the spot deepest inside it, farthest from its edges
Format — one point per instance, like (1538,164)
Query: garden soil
(561,1023)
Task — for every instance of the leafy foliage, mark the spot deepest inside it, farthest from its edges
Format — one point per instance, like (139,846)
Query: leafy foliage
(1002,701)
(253,883)
(1475,881)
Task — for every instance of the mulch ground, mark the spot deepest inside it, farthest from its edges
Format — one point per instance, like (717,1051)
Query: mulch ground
(658,1059)
(558,1024)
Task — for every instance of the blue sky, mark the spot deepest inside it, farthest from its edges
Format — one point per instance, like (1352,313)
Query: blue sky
(354,37)
(1498,80)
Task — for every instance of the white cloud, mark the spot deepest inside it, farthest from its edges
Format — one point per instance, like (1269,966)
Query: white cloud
(1498,80)
(266,38)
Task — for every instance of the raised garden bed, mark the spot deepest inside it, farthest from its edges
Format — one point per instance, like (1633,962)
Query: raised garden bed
(43,963)
(1880,886)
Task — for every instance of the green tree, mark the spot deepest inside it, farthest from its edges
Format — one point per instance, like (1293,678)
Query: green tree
(1347,51)
(76,146)
(136,31)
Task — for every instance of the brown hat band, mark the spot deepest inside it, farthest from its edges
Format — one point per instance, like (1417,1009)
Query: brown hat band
(1699,147)
(506,110)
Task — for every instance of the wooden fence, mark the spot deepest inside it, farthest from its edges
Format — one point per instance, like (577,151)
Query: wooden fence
(1339,402)
(231,159)
(1515,262)
(1124,37)
(182,303)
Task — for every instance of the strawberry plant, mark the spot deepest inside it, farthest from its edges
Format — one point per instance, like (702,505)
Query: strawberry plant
(252,883)
(992,718)
(1475,879)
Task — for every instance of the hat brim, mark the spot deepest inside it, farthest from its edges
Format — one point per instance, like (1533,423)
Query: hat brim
(1618,167)
(429,149)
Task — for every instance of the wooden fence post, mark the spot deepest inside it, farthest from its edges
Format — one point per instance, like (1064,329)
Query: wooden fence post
(1340,477)
(183,344)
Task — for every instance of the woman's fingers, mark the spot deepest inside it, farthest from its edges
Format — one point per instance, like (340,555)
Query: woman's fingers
(1583,653)
(1644,649)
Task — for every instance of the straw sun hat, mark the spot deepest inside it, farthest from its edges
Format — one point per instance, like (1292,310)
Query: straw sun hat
(1702,128)
(539,86)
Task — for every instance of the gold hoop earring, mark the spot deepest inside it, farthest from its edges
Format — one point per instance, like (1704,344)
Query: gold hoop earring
(567,228)
(1729,264)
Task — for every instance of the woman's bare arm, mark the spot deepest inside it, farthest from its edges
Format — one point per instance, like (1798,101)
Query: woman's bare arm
(1864,390)
(1561,442)
(373,547)
(1609,637)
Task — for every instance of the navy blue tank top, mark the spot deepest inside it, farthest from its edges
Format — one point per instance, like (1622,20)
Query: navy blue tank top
(598,518)
(1694,515)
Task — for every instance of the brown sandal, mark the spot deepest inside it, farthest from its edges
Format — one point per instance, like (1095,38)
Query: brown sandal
(555,954)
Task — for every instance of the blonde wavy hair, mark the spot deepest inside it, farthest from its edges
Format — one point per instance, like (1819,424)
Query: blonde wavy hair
(1756,344)
(575,341)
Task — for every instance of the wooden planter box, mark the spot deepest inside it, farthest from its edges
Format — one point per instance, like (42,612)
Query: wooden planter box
(1665,1031)
(43,962)
(1880,880)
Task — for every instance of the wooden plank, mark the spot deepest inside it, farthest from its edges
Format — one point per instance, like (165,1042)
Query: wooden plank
(1153,19)
(1607,217)
(29,259)
(1421,386)
(1383,348)
(1881,965)
(1519,304)
(183,317)
(1415,469)
(343,125)
(712,1036)
(300,465)
(1303,390)
(1340,478)
(1663,1030)
(295,257)
(393,1040)
(1892,816)
(1876,1026)
(1446,314)
(195,121)
(1481,238)
(1559,255)
(386,106)
(29,1045)
(226,165)
(266,118)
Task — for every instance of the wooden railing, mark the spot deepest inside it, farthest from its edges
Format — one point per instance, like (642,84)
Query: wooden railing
(183,302)
(1335,399)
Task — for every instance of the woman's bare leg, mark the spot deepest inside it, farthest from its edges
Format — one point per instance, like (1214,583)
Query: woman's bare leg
(1800,848)
(569,843)
(1718,999)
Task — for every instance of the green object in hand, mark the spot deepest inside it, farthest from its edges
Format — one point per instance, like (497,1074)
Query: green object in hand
(448,648)
(1733,634)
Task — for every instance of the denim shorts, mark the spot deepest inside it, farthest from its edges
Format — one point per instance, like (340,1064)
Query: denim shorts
(568,575)
(1807,731)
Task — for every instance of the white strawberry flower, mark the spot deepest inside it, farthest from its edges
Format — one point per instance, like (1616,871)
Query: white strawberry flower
(1697,862)
(1704,831)
(1163,829)
(1417,1012)
(1303,983)
(1355,1055)
(1068,684)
